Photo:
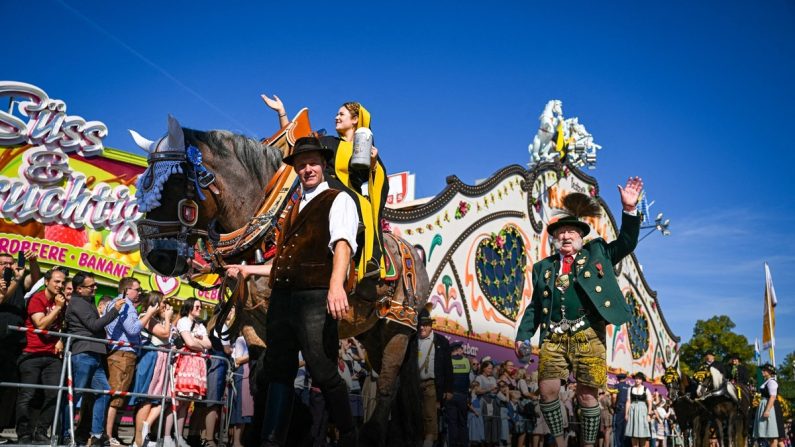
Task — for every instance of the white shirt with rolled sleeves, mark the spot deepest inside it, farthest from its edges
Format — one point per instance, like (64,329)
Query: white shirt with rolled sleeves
(343,218)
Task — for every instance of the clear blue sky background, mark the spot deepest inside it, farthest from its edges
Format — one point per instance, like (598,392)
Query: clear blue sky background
(695,97)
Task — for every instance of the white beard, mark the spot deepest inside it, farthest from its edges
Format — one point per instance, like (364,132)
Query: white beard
(577,245)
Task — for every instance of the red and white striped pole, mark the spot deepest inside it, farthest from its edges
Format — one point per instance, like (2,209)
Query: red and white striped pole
(70,397)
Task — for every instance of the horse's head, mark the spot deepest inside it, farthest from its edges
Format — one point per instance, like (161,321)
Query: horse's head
(557,107)
(703,380)
(671,381)
(195,178)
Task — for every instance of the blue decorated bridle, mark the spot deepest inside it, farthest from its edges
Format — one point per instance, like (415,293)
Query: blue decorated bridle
(171,237)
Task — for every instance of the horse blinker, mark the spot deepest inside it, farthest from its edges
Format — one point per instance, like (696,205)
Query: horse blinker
(188,212)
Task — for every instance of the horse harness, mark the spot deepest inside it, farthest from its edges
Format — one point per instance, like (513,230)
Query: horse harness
(279,198)
(173,235)
(402,312)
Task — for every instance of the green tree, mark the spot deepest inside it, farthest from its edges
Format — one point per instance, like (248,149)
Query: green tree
(714,335)
(785,369)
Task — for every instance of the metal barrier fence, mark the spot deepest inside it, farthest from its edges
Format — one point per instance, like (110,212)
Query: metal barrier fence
(168,384)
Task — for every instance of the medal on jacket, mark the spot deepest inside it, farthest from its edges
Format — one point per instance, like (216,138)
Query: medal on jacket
(562,282)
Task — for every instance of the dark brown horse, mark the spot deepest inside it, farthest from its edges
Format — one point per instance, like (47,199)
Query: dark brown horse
(202,183)
(691,415)
(724,410)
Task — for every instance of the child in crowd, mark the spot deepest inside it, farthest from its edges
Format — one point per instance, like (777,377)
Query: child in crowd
(474,420)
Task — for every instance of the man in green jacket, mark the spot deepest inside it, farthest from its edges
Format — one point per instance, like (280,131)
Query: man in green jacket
(575,295)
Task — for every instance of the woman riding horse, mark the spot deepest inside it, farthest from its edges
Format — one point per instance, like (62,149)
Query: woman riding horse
(350,117)
(199,181)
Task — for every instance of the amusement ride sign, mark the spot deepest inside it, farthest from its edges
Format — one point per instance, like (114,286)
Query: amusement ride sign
(65,196)
(46,189)
(43,121)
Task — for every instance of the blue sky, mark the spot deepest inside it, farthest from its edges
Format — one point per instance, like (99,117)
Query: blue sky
(695,97)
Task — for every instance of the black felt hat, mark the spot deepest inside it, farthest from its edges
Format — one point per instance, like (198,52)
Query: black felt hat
(569,221)
(424,315)
(456,344)
(576,207)
(308,144)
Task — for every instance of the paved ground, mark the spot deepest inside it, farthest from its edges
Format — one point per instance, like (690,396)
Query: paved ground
(9,437)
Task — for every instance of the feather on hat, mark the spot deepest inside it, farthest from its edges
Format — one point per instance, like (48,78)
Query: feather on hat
(576,206)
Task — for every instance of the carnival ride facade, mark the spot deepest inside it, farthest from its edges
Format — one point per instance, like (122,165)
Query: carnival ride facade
(482,240)
(74,202)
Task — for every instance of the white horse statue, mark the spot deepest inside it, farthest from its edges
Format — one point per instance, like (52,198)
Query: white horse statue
(542,148)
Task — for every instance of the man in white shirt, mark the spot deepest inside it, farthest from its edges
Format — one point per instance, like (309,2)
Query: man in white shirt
(308,294)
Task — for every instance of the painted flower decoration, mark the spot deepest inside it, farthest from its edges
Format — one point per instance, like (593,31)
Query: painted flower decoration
(499,241)
(462,210)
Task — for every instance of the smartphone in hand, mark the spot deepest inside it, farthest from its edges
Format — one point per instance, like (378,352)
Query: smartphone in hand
(21,259)
(8,275)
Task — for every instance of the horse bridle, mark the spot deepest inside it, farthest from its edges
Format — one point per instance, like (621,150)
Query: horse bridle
(172,236)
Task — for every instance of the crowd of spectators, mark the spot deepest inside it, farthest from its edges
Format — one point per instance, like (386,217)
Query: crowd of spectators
(132,320)
(473,402)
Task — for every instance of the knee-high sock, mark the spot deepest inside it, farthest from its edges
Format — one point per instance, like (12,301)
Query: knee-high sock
(590,418)
(553,414)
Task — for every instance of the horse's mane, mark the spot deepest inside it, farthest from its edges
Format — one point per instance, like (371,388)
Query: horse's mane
(261,161)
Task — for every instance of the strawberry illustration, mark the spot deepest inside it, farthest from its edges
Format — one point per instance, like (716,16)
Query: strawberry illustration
(65,234)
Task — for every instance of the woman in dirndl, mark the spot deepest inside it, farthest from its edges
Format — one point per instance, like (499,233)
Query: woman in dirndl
(474,419)
(152,334)
(190,371)
(351,117)
(489,406)
(638,412)
(769,421)
(243,403)
(163,333)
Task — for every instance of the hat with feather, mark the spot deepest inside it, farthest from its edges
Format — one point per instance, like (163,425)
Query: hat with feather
(576,207)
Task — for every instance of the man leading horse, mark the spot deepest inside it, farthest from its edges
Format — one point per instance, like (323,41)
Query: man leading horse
(308,278)
(575,294)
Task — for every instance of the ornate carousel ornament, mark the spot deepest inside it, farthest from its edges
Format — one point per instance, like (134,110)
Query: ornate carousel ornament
(559,139)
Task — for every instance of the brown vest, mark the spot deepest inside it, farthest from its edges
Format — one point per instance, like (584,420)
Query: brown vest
(303,260)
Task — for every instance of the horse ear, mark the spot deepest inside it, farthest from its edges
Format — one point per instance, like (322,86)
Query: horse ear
(176,138)
(144,143)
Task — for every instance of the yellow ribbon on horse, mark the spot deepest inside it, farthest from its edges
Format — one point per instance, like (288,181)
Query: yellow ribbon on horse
(701,375)
(370,205)
(670,376)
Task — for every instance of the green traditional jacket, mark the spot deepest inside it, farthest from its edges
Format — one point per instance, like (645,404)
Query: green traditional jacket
(592,276)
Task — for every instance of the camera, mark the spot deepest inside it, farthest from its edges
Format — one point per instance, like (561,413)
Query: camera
(8,275)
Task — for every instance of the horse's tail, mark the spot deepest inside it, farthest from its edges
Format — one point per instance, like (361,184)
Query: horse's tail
(407,413)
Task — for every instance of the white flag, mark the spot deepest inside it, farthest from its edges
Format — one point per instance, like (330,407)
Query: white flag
(769,319)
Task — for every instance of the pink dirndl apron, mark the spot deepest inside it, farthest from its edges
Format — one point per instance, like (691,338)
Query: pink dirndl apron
(190,375)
